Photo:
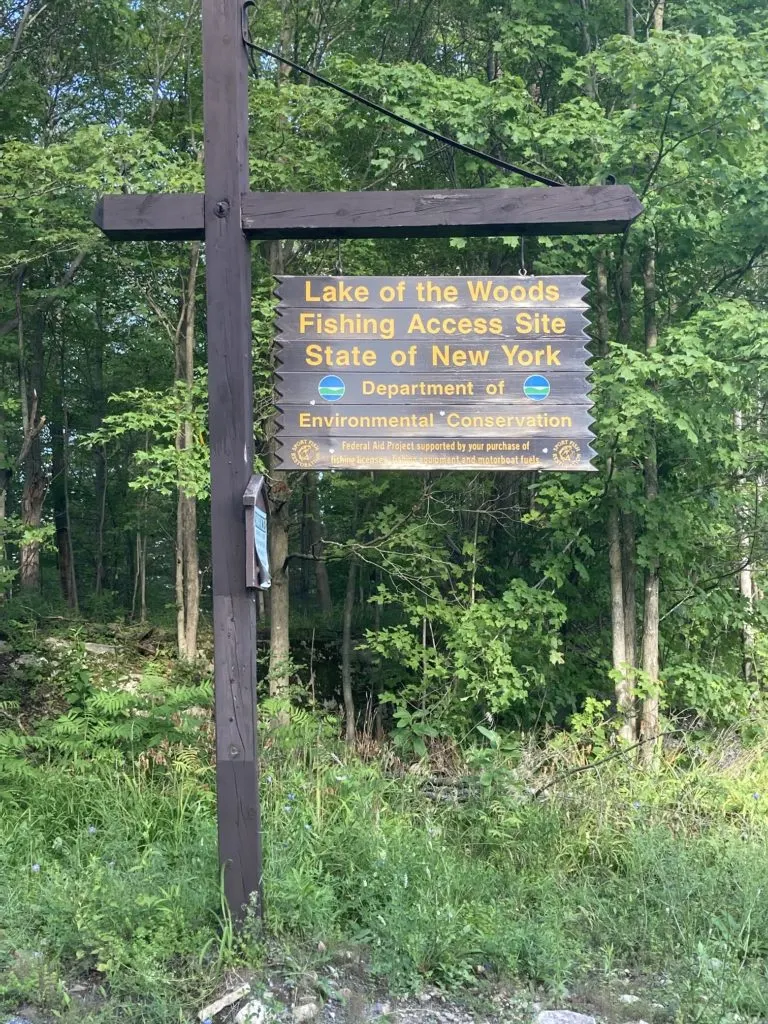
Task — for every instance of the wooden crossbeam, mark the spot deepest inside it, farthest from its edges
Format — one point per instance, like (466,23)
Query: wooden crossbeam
(575,210)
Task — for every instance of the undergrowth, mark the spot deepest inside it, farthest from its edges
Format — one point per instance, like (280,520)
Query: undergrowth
(108,868)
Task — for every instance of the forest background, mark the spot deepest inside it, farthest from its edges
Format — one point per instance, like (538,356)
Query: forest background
(503,628)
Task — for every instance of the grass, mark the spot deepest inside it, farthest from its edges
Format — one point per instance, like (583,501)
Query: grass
(108,876)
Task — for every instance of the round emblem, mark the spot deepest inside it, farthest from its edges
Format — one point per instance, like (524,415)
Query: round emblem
(305,453)
(536,387)
(331,388)
(566,452)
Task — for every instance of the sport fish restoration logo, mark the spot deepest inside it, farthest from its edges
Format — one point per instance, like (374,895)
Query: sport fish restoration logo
(495,368)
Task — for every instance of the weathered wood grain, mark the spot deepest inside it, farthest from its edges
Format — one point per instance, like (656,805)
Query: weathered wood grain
(164,217)
(228,283)
(577,210)
(573,210)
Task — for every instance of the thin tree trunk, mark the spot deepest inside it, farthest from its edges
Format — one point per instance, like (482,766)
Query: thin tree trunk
(629,575)
(346,653)
(136,573)
(181,632)
(658,15)
(279,594)
(99,399)
(590,86)
(629,18)
(187,556)
(623,679)
(623,683)
(649,723)
(68,519)
(31,368)
(59,490)
(143,580)
(315,525)
(746,579)
(624,294)
(59,506)
(101,494)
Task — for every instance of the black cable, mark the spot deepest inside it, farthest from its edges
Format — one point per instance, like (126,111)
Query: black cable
(496,161)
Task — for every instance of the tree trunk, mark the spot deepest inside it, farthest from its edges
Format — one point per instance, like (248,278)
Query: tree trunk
(31,369)
(60,513)
(346,653)
(658,15)
(99,401)
(649,723)
(629,18)
(629,576)
(746,580)
(279,595)
(316,547)
(279,504)
(590,86)
(5,479)
(623,680)
(60,489)
(187,555)
(620,658)
(624,295)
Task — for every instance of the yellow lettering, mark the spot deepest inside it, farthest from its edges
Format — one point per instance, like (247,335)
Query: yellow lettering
(479,290)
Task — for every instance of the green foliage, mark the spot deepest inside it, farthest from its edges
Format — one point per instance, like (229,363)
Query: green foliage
(467,658)
(163,465)
(108,873)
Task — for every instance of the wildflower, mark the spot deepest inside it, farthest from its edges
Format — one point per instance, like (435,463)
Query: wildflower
(35,868)
(291,796)
(755,796)
(308,827)
(636,804)
(208,1020)
(287,808)
(91,830)
(269,779)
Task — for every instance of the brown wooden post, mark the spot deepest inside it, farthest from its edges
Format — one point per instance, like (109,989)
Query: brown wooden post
(230,389)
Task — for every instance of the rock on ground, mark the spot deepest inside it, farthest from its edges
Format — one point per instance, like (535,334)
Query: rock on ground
(253,1012)
(563,1017)
(305,1012)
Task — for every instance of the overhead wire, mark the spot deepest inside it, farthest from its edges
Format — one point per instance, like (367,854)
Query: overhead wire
(504,165)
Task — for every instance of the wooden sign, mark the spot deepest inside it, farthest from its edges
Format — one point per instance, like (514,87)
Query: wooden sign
(497,356)
(462,387)
(433,372)
(227,216)
(324,452)
(424,325)
(436,292)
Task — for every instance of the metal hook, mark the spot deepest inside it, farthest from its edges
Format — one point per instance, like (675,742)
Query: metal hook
(523,272)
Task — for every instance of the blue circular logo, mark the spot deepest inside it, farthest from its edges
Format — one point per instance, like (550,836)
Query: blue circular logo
(537,388)
(331,388)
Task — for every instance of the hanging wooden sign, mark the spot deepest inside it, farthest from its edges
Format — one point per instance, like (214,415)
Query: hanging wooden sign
(476,372)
